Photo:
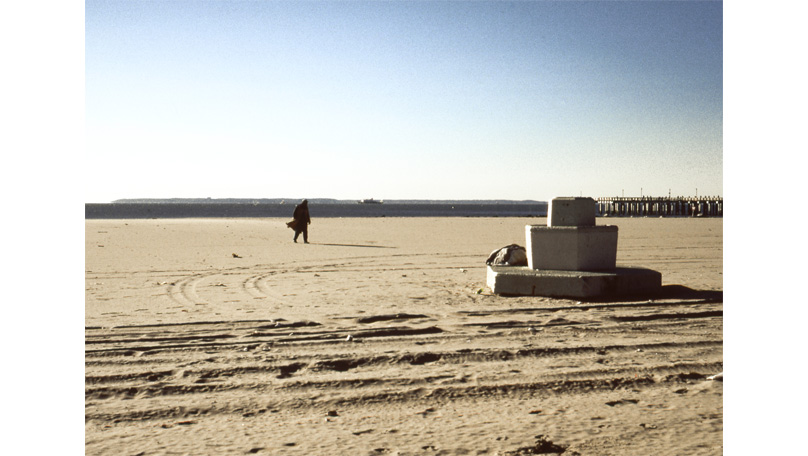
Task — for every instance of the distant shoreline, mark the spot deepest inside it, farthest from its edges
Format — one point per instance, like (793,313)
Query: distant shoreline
(311,201)
(280,208)
(221,209)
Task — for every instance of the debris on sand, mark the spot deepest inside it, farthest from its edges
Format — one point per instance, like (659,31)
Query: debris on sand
(510,255)
(543,446)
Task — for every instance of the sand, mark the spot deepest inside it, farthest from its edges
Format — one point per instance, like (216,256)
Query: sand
(221,336)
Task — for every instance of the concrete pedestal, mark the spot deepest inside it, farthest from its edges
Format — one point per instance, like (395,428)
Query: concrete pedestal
(571,248)
(571,211)
(525,281)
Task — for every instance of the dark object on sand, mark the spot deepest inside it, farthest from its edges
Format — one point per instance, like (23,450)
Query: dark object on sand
(543,446)
(302,220)
(511,255)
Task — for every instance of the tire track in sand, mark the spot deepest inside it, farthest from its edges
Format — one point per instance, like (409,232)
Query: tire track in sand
(302,362)
(183,291)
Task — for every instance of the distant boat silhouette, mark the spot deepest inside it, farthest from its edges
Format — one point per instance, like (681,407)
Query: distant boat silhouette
(370,201)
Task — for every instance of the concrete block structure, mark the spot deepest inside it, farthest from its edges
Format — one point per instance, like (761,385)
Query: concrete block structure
(571,257)
(571,212)
(571,248)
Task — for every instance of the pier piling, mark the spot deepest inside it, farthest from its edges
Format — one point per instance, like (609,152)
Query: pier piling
(647,206)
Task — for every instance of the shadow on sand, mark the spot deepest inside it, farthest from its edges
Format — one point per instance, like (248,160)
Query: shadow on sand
(678,292)
(353,245)
(683,292)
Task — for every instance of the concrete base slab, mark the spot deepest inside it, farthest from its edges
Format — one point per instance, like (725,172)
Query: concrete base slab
(620,281)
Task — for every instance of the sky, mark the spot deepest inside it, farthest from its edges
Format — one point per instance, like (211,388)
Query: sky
(524,100)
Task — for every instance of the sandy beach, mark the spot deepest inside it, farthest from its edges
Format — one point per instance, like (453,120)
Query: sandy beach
(222,336)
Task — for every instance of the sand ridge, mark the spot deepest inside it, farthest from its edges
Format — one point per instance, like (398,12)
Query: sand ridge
(221,336)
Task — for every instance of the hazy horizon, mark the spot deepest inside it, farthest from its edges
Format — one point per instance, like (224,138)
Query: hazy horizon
(294,200)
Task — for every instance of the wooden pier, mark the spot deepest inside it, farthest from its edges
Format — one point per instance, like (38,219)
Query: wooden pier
(648,206)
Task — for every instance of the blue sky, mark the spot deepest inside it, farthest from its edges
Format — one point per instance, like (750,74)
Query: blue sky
(400,100)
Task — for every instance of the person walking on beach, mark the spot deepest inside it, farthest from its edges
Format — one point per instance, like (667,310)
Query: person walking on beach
(302,219)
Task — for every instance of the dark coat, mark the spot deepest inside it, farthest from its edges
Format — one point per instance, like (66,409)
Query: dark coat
(302,214)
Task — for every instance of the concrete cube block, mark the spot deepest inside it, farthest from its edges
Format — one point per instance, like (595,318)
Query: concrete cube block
(571,248)
(571,211)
